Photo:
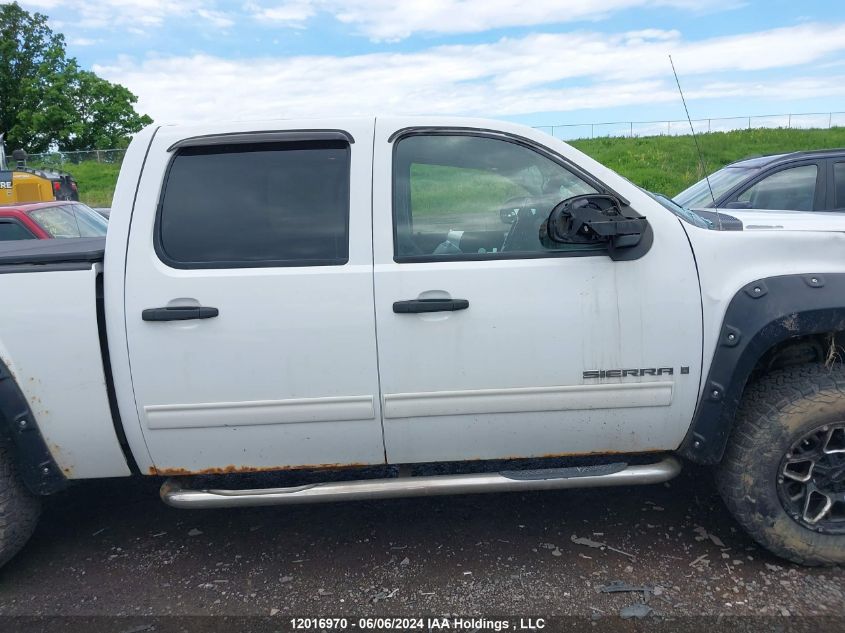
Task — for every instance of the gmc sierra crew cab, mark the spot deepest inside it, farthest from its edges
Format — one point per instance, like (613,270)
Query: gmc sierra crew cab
(420,306)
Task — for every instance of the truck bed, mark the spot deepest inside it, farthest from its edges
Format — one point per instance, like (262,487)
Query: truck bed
(81,250)
(50,341)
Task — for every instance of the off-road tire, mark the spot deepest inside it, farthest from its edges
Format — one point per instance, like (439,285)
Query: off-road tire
(776,412)
(19,508)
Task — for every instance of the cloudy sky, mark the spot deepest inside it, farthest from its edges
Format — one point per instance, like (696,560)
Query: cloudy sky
(538,62)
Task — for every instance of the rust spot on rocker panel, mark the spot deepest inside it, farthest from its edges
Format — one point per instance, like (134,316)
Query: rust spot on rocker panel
(641,451)
(232,469)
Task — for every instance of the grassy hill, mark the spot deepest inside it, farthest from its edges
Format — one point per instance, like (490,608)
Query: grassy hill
(666,164)
(96,181)
(669,164)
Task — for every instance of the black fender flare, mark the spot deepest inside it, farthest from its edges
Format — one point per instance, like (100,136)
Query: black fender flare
(762,314)
(38,469)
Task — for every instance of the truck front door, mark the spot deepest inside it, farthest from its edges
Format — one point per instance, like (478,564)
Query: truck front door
(249,300)
(495,344)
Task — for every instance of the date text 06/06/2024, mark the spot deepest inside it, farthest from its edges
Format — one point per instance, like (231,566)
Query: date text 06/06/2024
(422,624)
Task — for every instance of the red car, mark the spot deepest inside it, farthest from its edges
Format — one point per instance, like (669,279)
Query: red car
(48,220)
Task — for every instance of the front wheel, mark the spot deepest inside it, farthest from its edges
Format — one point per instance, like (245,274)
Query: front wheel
(783,473)
(19,508)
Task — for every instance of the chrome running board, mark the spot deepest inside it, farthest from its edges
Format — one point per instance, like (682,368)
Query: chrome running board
(620,474)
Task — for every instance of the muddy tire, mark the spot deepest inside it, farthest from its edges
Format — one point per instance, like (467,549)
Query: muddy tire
(19,508)
(783,473)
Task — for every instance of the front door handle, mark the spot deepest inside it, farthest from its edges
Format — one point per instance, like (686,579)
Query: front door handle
(179,313)
(429,305)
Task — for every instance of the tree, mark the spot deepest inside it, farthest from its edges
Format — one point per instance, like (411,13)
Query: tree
(29,54)
(46,99)
(103,113)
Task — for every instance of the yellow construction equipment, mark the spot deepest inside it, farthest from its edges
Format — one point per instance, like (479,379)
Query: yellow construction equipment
(20,183)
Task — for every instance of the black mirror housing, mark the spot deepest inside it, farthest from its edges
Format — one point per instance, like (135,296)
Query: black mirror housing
(594,218)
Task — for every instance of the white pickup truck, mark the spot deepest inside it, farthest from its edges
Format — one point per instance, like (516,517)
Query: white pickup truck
(374,295)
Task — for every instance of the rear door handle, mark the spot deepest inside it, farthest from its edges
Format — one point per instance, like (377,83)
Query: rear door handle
(429,305)
(179,313)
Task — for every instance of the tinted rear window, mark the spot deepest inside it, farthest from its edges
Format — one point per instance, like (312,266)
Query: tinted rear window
(839,185)
(270,204)
(10,230)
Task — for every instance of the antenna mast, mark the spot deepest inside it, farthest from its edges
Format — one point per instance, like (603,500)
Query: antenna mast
(695,140)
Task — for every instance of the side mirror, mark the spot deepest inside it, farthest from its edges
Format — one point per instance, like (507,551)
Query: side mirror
(594,218)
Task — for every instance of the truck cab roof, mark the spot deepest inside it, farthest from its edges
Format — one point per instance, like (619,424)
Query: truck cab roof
(26,207)
(772,159)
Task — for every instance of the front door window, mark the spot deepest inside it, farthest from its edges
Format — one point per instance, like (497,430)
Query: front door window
(468,196)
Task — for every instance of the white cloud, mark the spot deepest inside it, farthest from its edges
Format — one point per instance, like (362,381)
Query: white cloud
(393,20)
(217,18)
(535,73)
(134,14)
(382,20)
(82,41)
(292,13)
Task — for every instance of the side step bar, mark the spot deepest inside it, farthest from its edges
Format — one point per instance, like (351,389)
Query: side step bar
(620,474)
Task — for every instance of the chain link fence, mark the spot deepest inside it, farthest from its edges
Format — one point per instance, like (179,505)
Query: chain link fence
(566,132)
(804,121)
(58,160)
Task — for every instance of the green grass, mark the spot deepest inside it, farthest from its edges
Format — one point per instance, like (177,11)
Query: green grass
(96,181)
(665,164)
(669,164)
(448,190)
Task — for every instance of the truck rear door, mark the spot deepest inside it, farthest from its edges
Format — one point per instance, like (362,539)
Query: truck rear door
(249,299)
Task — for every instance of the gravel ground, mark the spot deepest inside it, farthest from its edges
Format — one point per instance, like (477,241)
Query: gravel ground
(112,548)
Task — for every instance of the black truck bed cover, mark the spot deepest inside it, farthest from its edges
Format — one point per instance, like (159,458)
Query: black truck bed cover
(77,250)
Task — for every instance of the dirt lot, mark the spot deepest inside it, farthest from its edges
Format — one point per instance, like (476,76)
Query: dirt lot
(112,548)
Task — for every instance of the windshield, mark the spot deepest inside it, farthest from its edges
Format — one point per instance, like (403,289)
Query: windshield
(71,220)
(685,214)
(698,196)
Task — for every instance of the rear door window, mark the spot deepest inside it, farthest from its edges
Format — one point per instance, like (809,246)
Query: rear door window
(90,223)
(790,189)
(71,220)
(263,204)
(839,185)
(59,222)
(14,230)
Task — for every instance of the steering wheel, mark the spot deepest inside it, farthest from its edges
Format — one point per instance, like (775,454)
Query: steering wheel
(511,208)
(525,214)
